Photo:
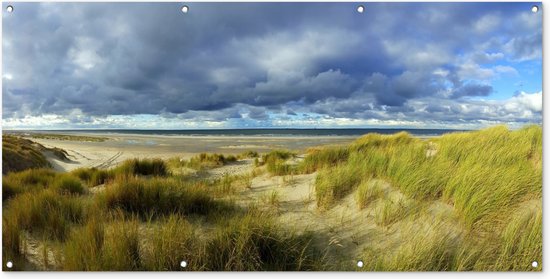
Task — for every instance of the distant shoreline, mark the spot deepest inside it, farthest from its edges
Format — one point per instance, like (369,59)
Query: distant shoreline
(246,133)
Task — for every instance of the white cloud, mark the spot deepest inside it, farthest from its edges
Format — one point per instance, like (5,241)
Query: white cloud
(471,70)
(84,53)
(290,51)
(506,70)
(414,55)
(484,57)
(524,102)
(487,23)
(73,121)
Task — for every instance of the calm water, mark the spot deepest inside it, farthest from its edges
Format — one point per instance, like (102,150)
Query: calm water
(264,132)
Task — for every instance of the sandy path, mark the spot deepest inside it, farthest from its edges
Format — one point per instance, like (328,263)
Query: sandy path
(235,168)
(38,255)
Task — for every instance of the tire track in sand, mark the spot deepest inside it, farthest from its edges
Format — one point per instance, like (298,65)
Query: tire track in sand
(109,162)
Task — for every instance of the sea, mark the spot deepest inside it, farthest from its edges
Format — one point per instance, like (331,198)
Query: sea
(262,132)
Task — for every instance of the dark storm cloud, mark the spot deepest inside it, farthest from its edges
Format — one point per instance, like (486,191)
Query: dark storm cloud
(472,90)
(223,61)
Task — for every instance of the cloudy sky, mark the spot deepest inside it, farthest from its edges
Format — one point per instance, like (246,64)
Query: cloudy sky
(150,66)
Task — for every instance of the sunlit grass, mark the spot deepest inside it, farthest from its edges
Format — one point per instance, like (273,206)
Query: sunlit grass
(68,184)
(485,175)
(332,184)
(369,191)
(46,212)
(204,161)
(394,209)
(430,247)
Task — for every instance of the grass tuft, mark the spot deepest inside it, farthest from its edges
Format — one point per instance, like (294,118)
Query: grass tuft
(275,162)
(93,177)
(255,242)
(155,167)
(332,184)
(68,184)
(172,240)
(393,210)
(159,196)
(318,158)
(429,247)
(46,212)
(369,191)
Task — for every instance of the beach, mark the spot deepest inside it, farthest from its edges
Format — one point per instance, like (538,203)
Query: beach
(119,147)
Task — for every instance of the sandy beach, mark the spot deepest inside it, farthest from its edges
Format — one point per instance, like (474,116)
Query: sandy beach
(119,147)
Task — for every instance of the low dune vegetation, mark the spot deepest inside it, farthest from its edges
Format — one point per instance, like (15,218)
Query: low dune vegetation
(253,241)
(326,157)
(159,196)
(19,182)
(486,176)
(143,219)
(202,161)
(459,202)
(275,162)
(93,176)
(369,191)
(20,154)
(132,167)
(61,137)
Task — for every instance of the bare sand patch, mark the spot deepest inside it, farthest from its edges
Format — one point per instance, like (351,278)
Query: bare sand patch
(239,167)
(246,146)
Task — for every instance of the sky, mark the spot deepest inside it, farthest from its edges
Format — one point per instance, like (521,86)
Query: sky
(271,65)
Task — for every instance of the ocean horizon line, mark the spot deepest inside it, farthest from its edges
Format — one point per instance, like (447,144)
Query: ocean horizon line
(271,132)
(230,129)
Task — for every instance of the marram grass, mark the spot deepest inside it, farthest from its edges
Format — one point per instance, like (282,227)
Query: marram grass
(492,179)
(480,173)
(368,192)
